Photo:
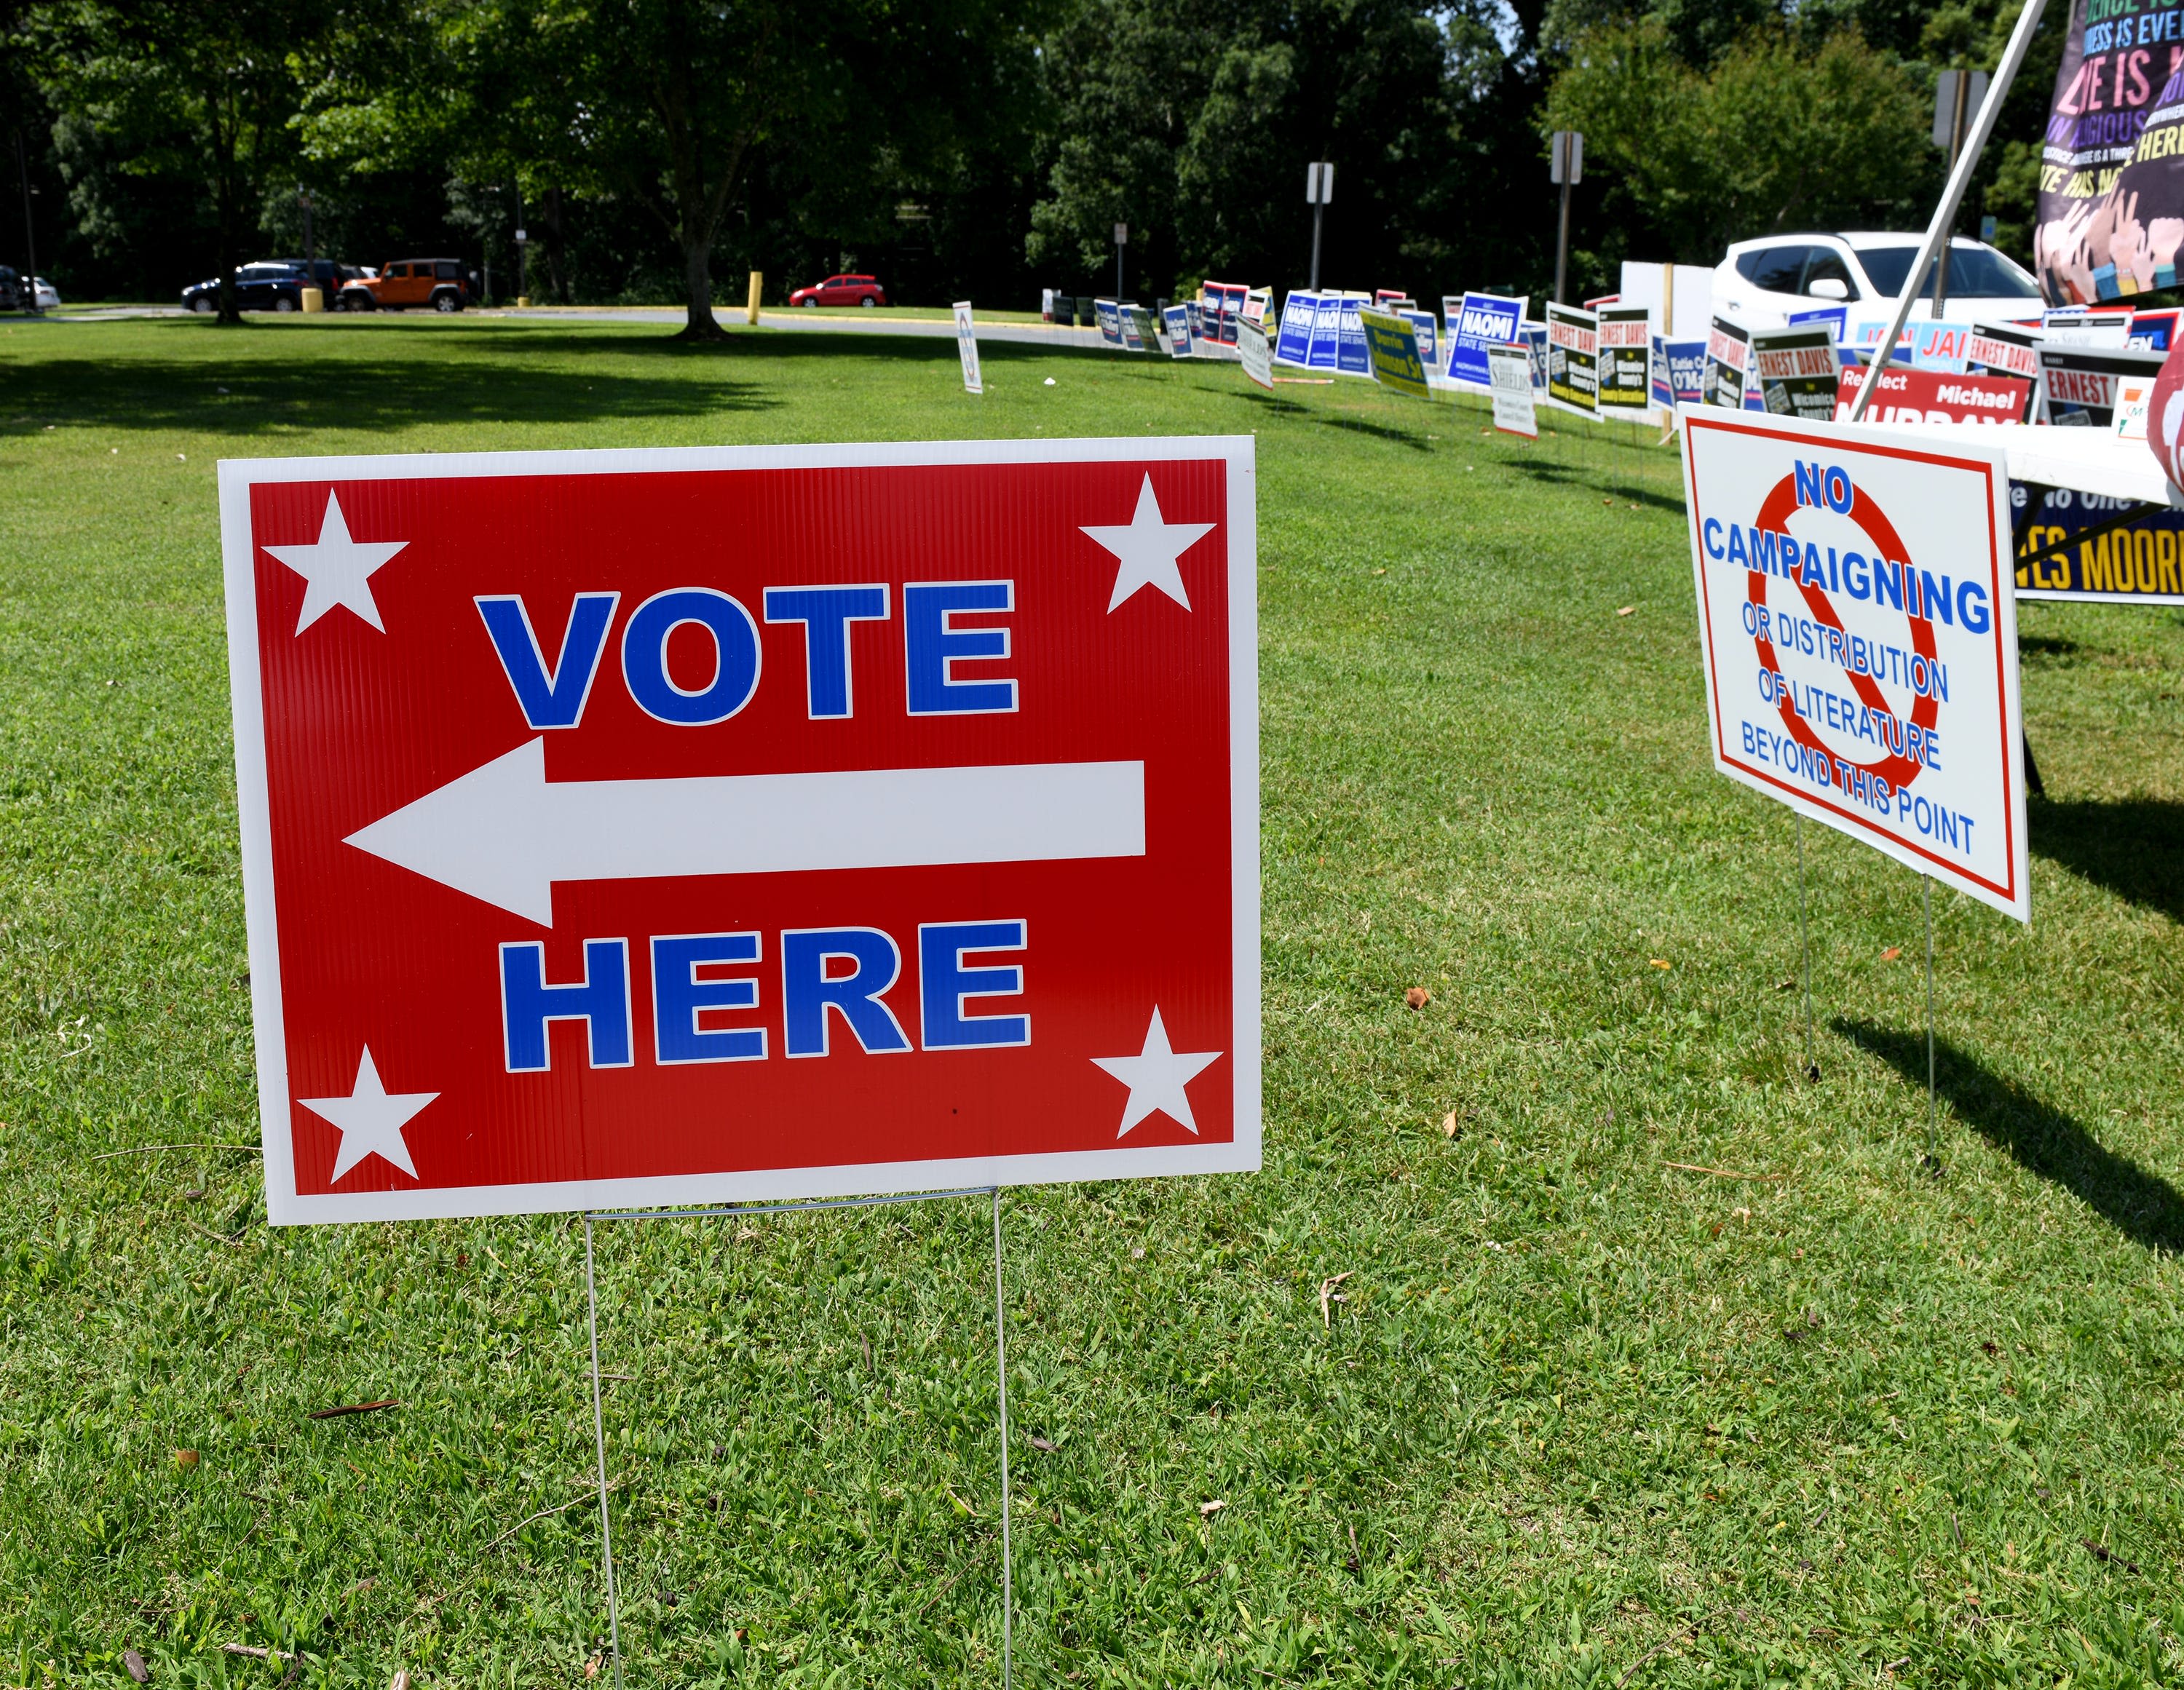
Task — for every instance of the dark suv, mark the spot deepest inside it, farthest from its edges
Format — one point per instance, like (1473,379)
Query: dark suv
(272,285)
(13,290)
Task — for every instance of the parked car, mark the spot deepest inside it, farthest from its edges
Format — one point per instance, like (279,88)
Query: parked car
(842,290)
(268,285)
(1762,282)
(49,298)
(11,290)
(441,283)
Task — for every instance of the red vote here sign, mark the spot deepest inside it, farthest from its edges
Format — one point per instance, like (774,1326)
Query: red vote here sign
(666,826)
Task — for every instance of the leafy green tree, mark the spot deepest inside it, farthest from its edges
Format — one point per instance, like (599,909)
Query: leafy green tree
(202,90)
(1195,128)
(1772,134)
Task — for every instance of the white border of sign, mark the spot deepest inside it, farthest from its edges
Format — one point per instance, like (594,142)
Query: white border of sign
(286,1206)
(1987,461)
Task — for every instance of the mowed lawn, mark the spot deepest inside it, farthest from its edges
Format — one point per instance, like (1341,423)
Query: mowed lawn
(1572,1415)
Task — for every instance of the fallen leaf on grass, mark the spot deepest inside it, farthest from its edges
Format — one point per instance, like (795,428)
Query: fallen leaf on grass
(355,1409)
(1891,953)
(1208,1509)
(135,1663)
(1327,1294)
(1658,962)
(1042,1443)
(1450,1126)
(400,1680)
(1418,997)
(592,1666)
(185,1457)
(1787,983)
(1608,501)
(1626,610)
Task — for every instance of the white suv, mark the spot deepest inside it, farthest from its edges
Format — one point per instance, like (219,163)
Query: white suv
(1762,282)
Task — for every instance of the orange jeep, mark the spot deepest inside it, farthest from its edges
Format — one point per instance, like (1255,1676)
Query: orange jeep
(441,283)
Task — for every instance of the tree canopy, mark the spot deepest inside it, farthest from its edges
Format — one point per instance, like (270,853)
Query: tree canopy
(978,148)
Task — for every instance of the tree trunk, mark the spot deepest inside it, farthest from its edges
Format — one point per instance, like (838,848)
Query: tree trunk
(556,275)
(231,307)
(698,274)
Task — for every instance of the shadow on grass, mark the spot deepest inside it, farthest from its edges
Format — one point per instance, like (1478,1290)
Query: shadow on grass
(2134,847)
(2143,1207)
(364,375)
(1585,478)
(2045,645)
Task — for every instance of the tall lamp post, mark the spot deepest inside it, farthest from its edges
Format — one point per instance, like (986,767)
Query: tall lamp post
(1958,96)
(30,234)
(1319,190)
(1567,167)
(1122,240)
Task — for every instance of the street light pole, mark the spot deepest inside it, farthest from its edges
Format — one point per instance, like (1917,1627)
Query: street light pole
(1318,189)
(1567,168)
(29,233)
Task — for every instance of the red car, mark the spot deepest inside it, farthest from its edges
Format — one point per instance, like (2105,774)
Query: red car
(842,290)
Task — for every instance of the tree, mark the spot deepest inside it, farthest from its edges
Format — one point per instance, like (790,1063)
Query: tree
(1195,129)
(201,89)
(1773,132)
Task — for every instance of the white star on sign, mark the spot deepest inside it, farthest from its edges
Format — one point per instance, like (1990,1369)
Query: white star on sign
(1156,1076)
(337,569)
(1146,550)
(370,1120)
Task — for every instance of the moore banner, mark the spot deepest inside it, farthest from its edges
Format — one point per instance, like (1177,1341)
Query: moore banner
(1860,639)
(2111,210)
(2140,562)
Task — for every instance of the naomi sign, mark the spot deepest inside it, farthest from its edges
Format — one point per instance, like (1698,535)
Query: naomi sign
(1860,638)
(665,826)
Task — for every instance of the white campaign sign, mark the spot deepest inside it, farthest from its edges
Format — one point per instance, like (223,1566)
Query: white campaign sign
(1859,635)
(966,343)
(1510,368)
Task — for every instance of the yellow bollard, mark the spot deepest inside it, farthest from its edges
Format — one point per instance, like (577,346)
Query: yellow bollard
(758,281)
(523,302)
(314,299)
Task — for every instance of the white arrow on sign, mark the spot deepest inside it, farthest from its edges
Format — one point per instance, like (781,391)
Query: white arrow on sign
(504,833)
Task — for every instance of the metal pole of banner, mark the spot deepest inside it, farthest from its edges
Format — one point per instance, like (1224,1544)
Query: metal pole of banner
(1805,946)
(1945,213)
(1002,1379)
(599,1443)
(1933,1102)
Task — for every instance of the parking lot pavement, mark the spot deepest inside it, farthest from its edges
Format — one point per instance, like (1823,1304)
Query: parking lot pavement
(809,322)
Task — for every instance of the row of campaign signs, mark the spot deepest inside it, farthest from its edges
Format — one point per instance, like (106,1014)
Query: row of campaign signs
(2073,369)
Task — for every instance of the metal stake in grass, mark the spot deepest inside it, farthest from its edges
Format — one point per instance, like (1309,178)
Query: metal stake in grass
(1805,947)
(1933,1099)
(599,1443)
(1002,1379)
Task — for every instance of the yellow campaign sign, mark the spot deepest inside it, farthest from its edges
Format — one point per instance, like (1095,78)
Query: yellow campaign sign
(1393,346)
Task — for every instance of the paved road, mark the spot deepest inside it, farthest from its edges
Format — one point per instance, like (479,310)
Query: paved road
(1033,334)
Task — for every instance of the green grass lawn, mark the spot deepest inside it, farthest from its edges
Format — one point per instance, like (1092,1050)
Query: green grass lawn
(1579,1417)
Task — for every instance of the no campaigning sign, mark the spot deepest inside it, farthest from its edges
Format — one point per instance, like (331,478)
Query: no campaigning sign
(652,827)
(1859,637)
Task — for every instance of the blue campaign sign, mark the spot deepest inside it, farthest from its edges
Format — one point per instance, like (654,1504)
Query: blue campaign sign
(1483,320)
(1837,318)
(1941,346)
(1110,315)
(1294,343)
(1535,342)
(1353,352)
(1423,323)
(1175,331)
(1678,372)
(1326,329)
